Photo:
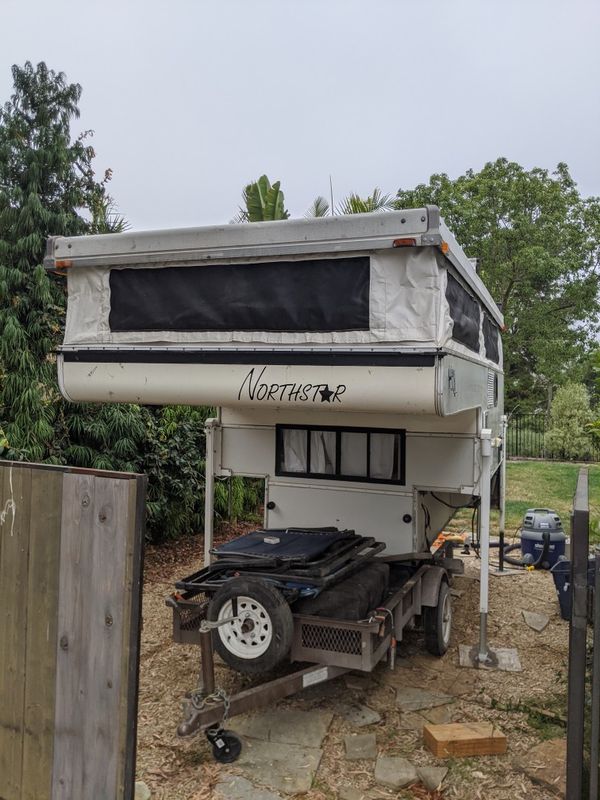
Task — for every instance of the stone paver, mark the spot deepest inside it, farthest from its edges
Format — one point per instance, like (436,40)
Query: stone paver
(440,715)
(142,792)
(414,720)
(536,621)
(362,745)
(432,777)
(395,772)
(358,683)
(287,768)
(305,728)
(351,793)
(357,715)
(545,764)
(234,787)
(504,658)
(411,699)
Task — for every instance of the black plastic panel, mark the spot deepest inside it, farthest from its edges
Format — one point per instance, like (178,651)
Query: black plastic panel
(312,295)
(465,313)
(490,338)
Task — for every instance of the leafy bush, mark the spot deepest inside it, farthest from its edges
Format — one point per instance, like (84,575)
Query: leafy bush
(173,458)
(238,498)
(570,417)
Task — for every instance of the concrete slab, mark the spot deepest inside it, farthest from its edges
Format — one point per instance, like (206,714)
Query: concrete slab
(545,764)
(432,777)
(503,658)
(234,787)
(283,767)
(304,728)
(359,746)
(357,715)
(536,621)
(410,698)
(395,772)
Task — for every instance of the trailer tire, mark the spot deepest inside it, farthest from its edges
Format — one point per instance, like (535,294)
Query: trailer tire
(437,621)
(263,638)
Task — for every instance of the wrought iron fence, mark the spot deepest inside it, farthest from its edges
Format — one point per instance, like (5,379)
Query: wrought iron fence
(526,437)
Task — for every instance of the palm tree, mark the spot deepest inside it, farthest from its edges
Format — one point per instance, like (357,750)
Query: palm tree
(354,204)
(319,208)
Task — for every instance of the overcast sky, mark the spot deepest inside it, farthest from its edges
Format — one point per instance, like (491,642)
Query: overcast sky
(190,100)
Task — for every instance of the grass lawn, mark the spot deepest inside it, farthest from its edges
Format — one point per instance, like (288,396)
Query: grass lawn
(547,484)
(543,484)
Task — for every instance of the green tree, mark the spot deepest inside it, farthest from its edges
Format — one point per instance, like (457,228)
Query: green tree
(569,434)
(376,201)
(262,202)
(46,181)
(318,208)
(538,244)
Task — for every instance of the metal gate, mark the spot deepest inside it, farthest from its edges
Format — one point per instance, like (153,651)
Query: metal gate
(70,588)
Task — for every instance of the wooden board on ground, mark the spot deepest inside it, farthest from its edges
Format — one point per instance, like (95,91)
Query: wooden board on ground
(464,739)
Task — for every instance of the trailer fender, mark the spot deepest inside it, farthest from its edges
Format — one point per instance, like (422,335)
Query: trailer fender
(430,585)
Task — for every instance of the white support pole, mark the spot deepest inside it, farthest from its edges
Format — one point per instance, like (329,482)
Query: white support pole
(502,520)
(484,544)
(209,487)
(502,516)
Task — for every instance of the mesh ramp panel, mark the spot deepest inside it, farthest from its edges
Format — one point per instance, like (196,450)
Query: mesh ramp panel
(336,640)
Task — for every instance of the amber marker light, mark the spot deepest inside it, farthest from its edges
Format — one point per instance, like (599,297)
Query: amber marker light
(444,247)
(63,263)
(404,242)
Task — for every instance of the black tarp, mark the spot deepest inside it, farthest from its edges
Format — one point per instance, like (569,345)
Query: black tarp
(465,314)
(490,339)
(309,295)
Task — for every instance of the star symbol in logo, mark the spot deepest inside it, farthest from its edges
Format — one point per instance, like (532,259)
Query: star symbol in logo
(326,394)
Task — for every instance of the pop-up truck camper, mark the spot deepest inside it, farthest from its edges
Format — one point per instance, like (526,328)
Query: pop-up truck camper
(355,366)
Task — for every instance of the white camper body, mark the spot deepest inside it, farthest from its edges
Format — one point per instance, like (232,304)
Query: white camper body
(353,362)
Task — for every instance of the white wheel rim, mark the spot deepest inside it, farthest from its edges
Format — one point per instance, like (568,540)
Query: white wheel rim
(446,618)
(250,635)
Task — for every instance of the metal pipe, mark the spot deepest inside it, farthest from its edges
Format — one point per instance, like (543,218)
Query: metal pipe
(484,540)
(207,661)
(502,519)
(595,733)
(209,487)
(577,639)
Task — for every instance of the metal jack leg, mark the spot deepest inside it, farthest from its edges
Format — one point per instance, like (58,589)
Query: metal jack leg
(484,532)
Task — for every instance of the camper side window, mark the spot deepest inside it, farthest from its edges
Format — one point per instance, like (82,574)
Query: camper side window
(346,454)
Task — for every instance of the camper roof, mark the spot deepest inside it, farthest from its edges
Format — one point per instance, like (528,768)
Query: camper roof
(223,243)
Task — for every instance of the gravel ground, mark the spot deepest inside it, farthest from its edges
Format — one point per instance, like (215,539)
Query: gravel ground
(184,769)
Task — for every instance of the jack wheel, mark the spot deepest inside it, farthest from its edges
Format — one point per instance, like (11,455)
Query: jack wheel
(226,746)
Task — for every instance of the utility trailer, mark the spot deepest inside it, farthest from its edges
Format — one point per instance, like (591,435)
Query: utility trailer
(355,366)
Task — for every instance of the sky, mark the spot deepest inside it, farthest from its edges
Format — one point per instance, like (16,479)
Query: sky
(189,100)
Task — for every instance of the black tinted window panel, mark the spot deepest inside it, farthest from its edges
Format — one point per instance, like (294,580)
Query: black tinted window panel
(490,339)
(319,295)
(465,314)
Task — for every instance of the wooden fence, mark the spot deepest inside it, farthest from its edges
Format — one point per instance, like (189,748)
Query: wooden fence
(70,590)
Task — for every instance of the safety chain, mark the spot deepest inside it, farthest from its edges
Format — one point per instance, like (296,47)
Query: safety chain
(199,701)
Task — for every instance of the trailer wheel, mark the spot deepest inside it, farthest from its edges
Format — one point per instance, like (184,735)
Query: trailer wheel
(261,636)
(437,621)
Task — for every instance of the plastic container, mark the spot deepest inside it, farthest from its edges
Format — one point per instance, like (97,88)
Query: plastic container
(561,572)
